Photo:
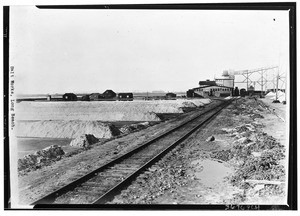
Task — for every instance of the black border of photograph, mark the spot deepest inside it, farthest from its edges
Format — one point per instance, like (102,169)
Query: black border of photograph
(292,178)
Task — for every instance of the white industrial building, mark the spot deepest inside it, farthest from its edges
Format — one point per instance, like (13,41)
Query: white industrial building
(220,87)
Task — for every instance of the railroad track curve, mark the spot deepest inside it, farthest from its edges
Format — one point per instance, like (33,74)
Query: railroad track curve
(104,183)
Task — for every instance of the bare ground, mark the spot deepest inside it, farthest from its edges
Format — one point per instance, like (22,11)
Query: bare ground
(190,174)
(38,183)
(193,174)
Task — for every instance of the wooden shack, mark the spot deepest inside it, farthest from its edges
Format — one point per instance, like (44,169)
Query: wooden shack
(171,95)
(109,94)
(125,96)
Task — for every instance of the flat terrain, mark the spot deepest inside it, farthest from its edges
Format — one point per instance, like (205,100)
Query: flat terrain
(197,171)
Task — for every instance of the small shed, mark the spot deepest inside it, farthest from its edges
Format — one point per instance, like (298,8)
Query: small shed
(125,96)
(56,97)
(69,97)
(95,96)
(170,95)
(85,98)
(109,94)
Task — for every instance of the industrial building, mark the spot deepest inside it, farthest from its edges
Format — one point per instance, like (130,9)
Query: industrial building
(219,87)
(213,91)
(210,88)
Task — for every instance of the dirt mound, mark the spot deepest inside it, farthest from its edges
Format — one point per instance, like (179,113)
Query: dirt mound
(66,129)
(40,158)
(84,140)
(133,127)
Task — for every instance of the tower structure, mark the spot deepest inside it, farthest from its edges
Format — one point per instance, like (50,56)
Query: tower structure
(261,78)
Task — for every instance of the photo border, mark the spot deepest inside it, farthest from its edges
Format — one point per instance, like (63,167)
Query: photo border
(292,165)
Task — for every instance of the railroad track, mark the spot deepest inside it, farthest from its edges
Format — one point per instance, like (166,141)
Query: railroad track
(101,185)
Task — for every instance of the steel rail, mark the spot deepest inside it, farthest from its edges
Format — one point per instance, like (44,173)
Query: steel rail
(50,198)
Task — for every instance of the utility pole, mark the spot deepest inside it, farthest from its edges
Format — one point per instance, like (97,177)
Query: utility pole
(266,83)
(277,80)
(285,90)
(247,80)
(273,82)
(262,83)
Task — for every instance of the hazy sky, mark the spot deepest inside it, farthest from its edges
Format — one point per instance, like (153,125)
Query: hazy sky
(58,51)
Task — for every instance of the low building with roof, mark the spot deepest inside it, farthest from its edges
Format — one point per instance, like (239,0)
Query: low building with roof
(210,88)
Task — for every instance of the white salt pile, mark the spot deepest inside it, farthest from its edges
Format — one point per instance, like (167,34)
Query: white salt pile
(199,102)
(203,100)
(280,96)
(103,110)
(272,96)
(66,129)
(194,102)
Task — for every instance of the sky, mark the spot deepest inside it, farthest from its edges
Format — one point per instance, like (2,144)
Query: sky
(86,51)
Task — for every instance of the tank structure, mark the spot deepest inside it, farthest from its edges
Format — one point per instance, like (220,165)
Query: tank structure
(243,92)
